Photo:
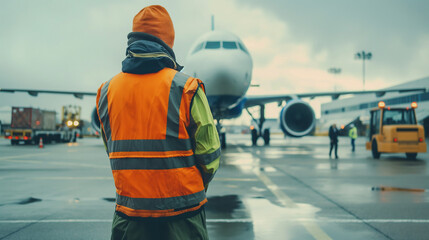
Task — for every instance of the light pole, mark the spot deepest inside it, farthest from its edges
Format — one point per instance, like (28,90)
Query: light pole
(334,71)
(364,56)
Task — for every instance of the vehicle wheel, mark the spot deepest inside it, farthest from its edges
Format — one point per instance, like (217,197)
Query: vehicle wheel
(374,148)
(254,136)
(267,136)
(411,156)
(222,140)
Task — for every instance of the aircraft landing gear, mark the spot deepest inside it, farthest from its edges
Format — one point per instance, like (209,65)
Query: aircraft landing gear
(266,136)
(222,138)
(256,133)
(222,135)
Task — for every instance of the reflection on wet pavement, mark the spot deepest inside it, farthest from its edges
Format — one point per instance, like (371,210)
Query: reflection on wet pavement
(30,200)
(229,218)
(274,222)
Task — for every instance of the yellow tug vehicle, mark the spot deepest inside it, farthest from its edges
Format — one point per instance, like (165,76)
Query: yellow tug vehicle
(395,130)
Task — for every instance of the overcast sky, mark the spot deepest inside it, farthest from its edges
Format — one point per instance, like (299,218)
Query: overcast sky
(77,45)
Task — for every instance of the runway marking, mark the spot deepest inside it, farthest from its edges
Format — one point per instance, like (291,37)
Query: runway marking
(286,201)
(6,158)
(72,178)
(60,178)
(12,159)
(237,179)
(237,220)
(240,149)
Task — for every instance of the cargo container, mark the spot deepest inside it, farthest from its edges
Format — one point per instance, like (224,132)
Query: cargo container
(30,125)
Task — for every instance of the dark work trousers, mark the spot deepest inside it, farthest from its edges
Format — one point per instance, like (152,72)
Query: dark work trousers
(333,144)
(353,144)
(181,229)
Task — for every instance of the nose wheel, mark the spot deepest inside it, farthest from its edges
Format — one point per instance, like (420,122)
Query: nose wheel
(265,136)
(259,133)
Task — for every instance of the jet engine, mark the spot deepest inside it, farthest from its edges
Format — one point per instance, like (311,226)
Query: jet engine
(297,118)
(95,122)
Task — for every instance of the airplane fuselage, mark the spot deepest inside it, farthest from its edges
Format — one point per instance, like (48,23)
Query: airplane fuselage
(223,63)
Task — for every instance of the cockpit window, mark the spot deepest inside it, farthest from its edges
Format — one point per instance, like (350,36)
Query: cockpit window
(229,45)
(212,45)
(198,47)
(242,47)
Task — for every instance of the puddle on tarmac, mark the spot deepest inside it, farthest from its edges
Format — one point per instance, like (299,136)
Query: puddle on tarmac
(29,200)
(337,164)
(267,169)
(271,221)
(109,199)
(264,220)
(227,203)
(289,150)
(238,155)
(222,211)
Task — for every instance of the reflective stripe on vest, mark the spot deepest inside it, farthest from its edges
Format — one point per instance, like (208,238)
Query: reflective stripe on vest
(171,143)
(153,177)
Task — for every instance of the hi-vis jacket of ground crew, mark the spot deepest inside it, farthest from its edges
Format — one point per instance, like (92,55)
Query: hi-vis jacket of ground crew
(353,133)
(148,129)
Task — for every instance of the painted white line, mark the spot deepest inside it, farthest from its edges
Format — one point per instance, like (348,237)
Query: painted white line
(59,178)
(58,221)
(237,220)
(72,178)
(11,159)
(22,156)
(237,179)
(240,149)
(286,201)
(369,220)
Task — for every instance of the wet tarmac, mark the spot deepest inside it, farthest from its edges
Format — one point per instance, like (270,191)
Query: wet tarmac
(289,190)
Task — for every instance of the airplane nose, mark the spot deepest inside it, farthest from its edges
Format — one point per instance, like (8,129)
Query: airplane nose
(226,75)
(227,79)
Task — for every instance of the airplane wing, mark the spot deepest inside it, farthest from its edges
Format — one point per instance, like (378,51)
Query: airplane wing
(251,101)
(264,99)
(34,92)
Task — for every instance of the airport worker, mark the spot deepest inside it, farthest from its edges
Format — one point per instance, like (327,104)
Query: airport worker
(353,135)
(333,136)
(160,137)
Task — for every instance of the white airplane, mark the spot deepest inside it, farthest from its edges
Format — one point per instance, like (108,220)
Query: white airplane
(224,64)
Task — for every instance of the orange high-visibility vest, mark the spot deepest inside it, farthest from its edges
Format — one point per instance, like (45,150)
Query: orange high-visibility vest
(145,119)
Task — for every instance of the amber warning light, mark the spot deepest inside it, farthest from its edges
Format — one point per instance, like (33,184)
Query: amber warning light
(414,105)
(381,104)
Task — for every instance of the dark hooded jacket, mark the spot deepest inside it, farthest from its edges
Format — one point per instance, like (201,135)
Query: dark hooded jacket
(148,54)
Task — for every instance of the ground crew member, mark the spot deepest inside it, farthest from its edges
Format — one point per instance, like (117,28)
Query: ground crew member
(353,135)
(160,137)
(333,136)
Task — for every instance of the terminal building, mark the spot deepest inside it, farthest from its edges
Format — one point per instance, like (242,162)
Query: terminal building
(356,109)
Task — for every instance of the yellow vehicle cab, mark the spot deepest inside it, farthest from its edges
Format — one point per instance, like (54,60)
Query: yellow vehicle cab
(395,130)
